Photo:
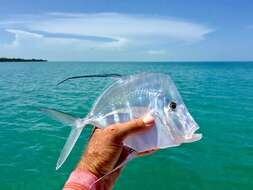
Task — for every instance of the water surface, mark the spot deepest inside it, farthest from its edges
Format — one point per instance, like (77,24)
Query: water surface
(219,95)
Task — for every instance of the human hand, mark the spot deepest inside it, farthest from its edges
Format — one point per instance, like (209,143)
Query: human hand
(105,149)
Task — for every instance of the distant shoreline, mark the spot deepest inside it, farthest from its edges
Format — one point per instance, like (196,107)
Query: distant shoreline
(4,59)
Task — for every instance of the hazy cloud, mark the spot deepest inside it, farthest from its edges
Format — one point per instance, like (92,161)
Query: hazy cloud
(97,36)
(156,52)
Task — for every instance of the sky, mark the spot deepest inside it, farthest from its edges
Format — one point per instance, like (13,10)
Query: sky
(127,30)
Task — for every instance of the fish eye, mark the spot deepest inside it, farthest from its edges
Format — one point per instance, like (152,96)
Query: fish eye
(173,106)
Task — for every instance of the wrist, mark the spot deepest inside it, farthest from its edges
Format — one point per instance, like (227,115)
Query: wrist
(93,166)
(84,166)
(80,179)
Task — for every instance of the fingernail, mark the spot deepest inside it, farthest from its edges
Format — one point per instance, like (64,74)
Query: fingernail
(148,119)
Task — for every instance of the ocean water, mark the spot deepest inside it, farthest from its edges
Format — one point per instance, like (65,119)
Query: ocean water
(218,94)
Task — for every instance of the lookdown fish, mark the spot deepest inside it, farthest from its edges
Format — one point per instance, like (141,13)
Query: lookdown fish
(131,97)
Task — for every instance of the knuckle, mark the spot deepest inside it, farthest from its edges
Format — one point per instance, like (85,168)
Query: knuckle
(115,133)
(138,123)
(113,129)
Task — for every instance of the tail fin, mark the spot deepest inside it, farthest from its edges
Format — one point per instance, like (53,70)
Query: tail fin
(77,127)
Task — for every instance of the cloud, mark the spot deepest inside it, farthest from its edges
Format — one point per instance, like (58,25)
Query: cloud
(98,34)
(114,25)
(156,52)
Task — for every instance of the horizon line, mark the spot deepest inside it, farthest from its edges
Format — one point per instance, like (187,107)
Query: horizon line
(150,61)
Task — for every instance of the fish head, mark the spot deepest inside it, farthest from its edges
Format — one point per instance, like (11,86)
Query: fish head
(180,121)
(176,116)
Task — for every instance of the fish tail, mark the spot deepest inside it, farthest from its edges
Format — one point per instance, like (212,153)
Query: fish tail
(77,125)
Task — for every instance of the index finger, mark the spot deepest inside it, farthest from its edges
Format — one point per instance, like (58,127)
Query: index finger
(134,126)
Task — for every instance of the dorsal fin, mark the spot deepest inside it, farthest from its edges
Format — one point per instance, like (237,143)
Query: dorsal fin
(91,76)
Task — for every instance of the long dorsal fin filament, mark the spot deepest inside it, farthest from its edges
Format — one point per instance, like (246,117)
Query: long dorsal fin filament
(91,76)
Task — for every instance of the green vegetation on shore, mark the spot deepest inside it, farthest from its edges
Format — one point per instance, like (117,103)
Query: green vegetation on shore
(4,59)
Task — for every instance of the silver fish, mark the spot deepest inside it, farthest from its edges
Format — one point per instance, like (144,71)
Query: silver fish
(131,97)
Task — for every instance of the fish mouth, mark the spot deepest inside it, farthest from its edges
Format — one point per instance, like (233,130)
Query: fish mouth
(187,125)
(191,135)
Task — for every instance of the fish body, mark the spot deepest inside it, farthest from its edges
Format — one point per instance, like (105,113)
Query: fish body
(132,97)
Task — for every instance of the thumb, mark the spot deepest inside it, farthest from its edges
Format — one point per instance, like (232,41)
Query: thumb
(135,126)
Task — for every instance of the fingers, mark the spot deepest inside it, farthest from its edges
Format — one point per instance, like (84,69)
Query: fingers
(147,152)
(134,126)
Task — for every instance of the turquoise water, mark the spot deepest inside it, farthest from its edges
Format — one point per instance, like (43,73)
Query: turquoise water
(219,95)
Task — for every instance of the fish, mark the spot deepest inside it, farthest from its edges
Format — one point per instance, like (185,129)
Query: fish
(130,97)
